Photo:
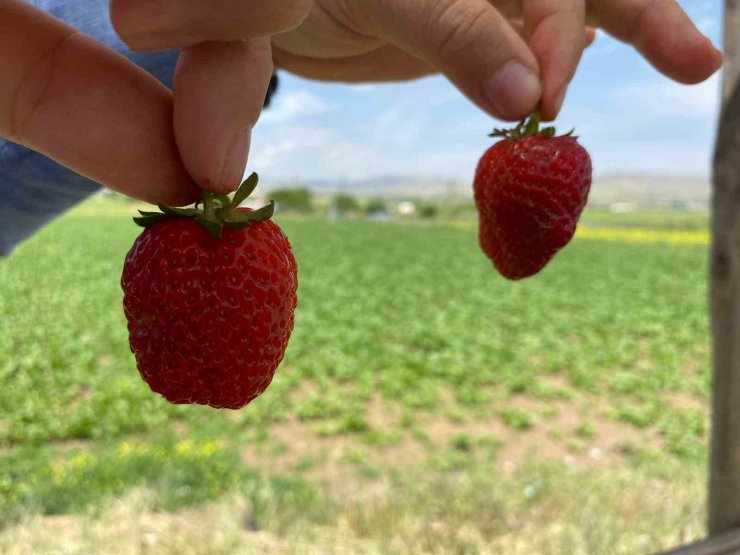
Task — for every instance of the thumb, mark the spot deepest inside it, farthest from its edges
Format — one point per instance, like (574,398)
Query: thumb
(220,88)
(471,43)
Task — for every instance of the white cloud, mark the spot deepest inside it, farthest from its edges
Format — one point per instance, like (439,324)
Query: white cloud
(364,87)
(646,125)
(665,98)
(311,152)
(647,109)
(323,152)
(655,126)
(683,157)
(394,138)
(398,128)
(273,148)
(707,24)
(697,8)
(294,105)
(604,45)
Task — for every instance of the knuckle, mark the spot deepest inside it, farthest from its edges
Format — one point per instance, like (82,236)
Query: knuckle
(297,10)
(633,27)
(278,17)
(458,25)
(33,87)
(541,11)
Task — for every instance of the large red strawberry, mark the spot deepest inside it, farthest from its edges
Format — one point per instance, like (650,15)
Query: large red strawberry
(209,294)
(530,189)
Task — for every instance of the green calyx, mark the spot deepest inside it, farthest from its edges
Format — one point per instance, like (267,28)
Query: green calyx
(214,211)
(528,127)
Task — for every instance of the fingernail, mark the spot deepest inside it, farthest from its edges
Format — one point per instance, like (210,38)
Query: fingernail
(147,26)
(235,162)
(514,91)
(719,57)
(136,22)
(160,41)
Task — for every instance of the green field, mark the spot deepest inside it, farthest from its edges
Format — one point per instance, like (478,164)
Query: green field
(424,405)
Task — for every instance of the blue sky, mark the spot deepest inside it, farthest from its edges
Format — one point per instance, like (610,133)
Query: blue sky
(629,117)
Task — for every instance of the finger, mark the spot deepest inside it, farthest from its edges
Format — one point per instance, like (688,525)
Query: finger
(510,9)
(70,98)
(590,35)
(219,92)
(517,24)
(387,63)
(471,43)
(663,33)
(161,24)
(555,28)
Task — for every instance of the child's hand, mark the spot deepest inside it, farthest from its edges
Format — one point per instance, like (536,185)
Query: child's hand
(73,99)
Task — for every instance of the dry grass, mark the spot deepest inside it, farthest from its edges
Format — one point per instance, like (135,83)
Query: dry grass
(540,508)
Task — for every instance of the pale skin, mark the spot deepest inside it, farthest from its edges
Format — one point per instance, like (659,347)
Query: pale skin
(89,108)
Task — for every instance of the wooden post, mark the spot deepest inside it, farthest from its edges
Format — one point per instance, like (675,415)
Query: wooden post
(724,481)
(727,543)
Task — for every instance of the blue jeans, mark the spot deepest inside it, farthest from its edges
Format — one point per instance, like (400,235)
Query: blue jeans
(34,189)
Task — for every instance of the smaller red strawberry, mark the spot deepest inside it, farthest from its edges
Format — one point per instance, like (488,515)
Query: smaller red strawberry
(210,295)
(530,189)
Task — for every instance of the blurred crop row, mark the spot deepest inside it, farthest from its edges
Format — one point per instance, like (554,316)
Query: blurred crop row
(409,352)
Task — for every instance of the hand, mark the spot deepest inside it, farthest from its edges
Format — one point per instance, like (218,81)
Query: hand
(68,96)
(78,102)
(507,56)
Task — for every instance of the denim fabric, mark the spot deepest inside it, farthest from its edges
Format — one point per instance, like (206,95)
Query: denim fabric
(34,189)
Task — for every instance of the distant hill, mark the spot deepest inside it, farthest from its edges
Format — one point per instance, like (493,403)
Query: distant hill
(390,186)
(651,190)
(624,191)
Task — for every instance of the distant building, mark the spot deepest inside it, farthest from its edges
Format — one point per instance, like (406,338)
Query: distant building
(406,208)
(622,207)
(334,214)
(379,216)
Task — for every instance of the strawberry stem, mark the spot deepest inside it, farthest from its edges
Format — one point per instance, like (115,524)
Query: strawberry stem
(217,211)
(528,127)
